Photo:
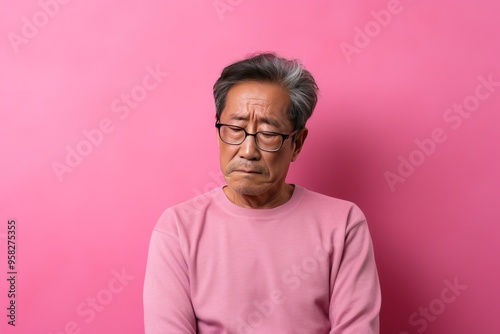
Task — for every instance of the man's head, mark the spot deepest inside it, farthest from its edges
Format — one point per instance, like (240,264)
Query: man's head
(264,94)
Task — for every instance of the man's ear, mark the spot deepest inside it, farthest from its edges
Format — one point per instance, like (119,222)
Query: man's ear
(299,143)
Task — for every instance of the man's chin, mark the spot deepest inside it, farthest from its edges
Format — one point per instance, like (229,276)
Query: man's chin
(246,188)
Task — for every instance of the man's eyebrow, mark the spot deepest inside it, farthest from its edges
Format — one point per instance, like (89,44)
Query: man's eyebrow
(269,121)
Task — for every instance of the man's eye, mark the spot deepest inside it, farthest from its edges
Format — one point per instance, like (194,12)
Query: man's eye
(234,129)
(268,135)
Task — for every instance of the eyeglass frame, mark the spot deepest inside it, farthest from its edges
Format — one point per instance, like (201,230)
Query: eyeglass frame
(284,137)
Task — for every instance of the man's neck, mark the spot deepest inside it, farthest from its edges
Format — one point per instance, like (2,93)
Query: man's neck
(264,201)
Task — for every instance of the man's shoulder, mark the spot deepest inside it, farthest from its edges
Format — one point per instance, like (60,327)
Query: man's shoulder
(187,211)
(200,202)
(326,204)
(324,199)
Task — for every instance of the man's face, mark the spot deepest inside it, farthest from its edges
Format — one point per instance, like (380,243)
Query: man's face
(257,106)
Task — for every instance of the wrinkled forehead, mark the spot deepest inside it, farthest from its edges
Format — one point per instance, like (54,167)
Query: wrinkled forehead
(258,102)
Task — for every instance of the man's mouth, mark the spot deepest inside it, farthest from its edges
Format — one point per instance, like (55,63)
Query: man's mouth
(248,171)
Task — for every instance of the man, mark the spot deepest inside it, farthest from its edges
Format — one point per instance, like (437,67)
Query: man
(259,255)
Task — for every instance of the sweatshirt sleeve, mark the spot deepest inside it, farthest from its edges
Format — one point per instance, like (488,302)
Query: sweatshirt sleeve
(355,291)
(166,295)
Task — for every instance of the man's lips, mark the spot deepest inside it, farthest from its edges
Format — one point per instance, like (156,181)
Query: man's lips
(249,171)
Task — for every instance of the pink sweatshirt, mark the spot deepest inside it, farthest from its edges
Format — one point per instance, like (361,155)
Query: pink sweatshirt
(304,267)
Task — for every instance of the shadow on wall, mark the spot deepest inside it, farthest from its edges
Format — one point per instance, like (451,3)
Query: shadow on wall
(346,163)
(338,163)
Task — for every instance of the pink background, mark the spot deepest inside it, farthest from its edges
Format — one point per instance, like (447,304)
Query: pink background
(63,74)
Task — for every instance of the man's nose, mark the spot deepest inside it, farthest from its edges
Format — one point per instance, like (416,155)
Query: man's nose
(248,149)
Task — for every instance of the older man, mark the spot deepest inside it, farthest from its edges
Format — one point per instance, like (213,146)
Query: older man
(259,255)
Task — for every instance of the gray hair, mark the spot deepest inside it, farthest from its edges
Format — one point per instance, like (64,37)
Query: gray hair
(268,67)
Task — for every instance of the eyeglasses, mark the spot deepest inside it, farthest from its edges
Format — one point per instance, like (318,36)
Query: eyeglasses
(265,140)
